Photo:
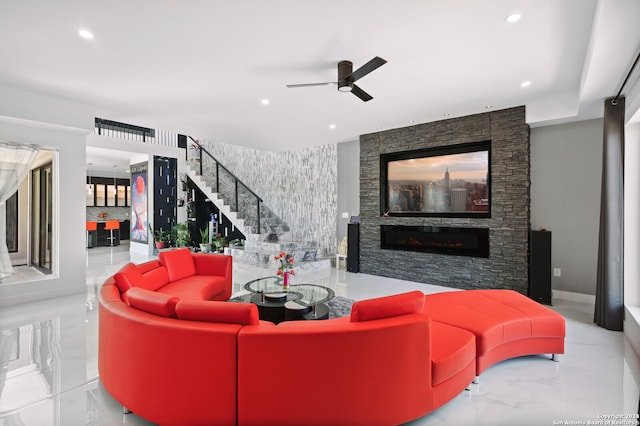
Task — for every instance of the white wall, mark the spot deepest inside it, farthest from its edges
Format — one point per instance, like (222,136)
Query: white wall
(632,215)
(348,184)
(631,324)
(566,164)
(30,118)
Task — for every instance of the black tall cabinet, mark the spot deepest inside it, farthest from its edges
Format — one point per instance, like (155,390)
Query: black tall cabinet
(165,191)
(540,266)
(353,247)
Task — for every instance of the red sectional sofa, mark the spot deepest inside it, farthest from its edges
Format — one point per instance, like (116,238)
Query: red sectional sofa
(173,356)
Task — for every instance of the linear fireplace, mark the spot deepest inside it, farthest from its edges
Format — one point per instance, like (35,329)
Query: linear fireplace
(436,239)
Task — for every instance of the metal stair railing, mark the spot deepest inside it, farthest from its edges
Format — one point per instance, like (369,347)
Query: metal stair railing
(238,187)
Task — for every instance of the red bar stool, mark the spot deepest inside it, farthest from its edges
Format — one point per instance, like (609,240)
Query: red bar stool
(110,226)
(91,226)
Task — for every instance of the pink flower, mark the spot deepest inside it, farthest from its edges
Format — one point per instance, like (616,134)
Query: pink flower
(291,260)
(292,272)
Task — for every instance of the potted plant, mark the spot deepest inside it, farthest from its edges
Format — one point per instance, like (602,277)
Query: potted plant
(205,247)
(236,243)
(219,242)
(181,235)
(160,236)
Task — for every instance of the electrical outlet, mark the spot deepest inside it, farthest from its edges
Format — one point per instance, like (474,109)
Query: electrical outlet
(557,272)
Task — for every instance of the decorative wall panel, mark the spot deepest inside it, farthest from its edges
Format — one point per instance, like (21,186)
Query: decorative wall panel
(299,186)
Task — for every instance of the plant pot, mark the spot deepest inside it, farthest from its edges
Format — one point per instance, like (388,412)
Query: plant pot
(160,245)
(205,248)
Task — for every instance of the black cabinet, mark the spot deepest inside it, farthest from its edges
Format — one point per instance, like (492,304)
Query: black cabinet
(125,229)
(353,247)
(540,266)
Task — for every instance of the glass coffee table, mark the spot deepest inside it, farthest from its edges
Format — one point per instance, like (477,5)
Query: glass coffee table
(301,301)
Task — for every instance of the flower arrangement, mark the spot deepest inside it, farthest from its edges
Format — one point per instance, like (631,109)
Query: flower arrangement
(285,264)
(285,268)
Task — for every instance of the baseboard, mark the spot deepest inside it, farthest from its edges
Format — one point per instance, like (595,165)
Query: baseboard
(574,297)
(631,326)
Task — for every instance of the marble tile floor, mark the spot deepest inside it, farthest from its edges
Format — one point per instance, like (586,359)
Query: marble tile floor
(48,362)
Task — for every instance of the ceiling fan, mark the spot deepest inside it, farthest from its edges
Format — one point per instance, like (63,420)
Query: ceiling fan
(346,77)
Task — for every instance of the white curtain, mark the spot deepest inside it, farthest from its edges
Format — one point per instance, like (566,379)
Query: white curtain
(15,163)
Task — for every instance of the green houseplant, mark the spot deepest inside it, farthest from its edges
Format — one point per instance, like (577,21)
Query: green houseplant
(181,235)
(219,242)
(160,236)
(205,247)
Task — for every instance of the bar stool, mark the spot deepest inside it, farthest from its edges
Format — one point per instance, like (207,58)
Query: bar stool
(91,226)
(110,226)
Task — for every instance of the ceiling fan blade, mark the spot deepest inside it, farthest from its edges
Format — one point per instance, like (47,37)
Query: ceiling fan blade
(372,65)
(293,86)
(361,93)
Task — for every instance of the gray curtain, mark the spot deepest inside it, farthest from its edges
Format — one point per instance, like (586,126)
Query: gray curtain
(610,281)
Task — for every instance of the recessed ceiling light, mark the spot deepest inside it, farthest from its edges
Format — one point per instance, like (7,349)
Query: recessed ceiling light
(514,17)
(85,34)
(411,121)
(488,106)
(332,126)
(525,84)
(265,102)
(446,114)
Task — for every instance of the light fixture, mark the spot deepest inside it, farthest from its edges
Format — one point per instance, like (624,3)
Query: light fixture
(115,191)
(514,17)
(89,187)
(488,106)
(85,34)
(265,102)
(332,126)
(446,114)
(345,68)
(525,84)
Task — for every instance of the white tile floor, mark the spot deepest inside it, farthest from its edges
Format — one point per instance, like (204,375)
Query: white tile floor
(48,363)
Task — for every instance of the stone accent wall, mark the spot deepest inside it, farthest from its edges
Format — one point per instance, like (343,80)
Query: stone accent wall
(507,265)
(299,186)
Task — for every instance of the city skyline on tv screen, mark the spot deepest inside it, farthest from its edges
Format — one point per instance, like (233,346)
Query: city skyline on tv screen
(455,183)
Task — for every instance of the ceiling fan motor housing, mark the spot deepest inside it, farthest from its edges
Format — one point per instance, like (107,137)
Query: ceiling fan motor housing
(345,68)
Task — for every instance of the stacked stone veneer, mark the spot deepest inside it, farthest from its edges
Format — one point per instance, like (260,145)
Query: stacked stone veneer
(507,265)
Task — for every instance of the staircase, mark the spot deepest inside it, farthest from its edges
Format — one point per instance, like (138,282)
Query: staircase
(266,233)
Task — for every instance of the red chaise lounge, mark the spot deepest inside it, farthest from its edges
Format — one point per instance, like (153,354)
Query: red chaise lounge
(506,323)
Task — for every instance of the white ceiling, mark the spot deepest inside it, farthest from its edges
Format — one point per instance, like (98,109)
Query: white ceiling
(202,67)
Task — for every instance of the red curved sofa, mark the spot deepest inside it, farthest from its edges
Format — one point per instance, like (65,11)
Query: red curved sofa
(174,356)
(183,360)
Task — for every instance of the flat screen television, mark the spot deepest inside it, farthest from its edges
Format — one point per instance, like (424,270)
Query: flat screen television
(450,181)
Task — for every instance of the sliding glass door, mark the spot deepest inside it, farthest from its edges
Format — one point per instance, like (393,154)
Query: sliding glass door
(42,218)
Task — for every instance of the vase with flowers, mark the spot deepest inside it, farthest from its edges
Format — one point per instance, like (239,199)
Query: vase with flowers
(285,268)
